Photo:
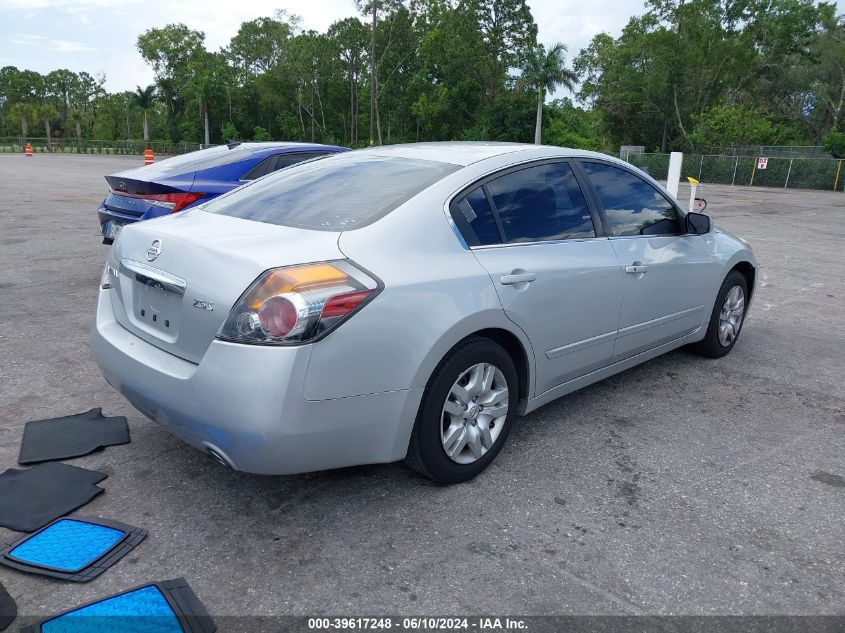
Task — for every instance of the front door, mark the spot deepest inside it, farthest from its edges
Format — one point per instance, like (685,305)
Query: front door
(665,273)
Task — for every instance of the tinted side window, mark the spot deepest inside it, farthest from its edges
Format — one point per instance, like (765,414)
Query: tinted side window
(260,169)
(541,203)
(475,219)
(632,206)
(286,160)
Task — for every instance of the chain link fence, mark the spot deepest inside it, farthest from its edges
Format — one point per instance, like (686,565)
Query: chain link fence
(788,173)
(96,146)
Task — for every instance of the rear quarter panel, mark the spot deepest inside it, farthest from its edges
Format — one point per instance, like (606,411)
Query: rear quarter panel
(435,294)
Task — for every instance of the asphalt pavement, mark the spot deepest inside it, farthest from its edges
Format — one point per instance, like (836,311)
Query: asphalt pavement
(683,486)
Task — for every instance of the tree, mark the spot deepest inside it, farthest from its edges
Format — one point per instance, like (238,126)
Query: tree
(229,132)
(144,98)
(834,143)
(260,44)
(373,8)
(46,113)
(174,52)
(23,113)
(508,34)
(77,117)
(732,126)
(349,40)
(545,70)
(207,84)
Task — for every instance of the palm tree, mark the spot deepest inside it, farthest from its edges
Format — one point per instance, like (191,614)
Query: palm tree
(77,115)
(23,112)
(47,113)
(545,70)
(145,99)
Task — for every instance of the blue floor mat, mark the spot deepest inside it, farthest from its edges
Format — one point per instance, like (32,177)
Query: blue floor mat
(162,607)
(72,548)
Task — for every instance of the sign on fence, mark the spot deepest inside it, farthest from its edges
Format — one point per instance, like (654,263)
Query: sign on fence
(762,162)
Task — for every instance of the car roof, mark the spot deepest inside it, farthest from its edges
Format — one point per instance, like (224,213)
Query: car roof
(468,152)
(258,146)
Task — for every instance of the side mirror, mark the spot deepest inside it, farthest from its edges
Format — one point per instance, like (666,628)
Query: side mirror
(698,223)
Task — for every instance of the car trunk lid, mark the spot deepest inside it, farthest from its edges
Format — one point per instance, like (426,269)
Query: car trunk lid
(176,278)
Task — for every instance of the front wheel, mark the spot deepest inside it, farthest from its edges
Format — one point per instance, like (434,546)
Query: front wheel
(726,319)
(466,412)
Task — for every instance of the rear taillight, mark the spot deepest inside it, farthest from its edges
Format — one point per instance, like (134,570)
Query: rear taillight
(298,304)
(173,201)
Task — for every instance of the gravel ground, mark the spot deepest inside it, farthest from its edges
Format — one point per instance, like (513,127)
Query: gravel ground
(683,486)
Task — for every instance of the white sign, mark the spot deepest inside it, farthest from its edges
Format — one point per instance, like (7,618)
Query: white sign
(762,163)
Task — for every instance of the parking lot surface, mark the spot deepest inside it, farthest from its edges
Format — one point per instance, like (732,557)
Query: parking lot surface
(683,486)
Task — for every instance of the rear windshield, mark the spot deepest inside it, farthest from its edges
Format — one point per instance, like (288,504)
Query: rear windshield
(195,161)
(338,193)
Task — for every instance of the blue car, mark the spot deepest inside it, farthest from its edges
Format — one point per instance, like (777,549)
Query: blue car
(181,182)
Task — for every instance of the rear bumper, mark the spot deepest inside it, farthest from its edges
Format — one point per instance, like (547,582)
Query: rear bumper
(245,403)
(105,214)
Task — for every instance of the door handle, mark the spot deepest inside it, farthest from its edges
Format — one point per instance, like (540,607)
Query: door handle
(520,278)
(636,269)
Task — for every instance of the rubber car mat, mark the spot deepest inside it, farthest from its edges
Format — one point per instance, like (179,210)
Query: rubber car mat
(8,609)
(32,498)
(169,606)
(71,436)
(72,548)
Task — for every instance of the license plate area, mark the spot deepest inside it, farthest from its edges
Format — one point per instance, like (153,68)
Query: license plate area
(111,229)
(156,310)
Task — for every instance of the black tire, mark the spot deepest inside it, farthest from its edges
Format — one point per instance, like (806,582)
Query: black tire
(426,454)
(711,346)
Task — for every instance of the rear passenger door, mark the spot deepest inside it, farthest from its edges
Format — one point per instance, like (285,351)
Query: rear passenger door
(555,273)
(666,273)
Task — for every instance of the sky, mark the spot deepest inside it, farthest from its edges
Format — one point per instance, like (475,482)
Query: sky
(98,36)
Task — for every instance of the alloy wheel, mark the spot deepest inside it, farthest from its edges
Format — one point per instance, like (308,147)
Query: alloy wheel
(730,318)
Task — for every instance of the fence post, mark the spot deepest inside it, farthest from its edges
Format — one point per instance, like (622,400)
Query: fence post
(788,171)
(700,167)
(838,171)
(736,164)
(674,176)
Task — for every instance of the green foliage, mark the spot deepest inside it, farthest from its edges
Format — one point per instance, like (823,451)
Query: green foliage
(732,126)
(229,132)
(680,76)
(834,143)
(260,134)
(570,126)
(781,58)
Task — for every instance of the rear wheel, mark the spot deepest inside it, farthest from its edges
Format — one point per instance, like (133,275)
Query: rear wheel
(726,319)
(466,411)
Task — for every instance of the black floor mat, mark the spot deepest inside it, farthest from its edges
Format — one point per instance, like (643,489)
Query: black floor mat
(8,609)
(71,436)
(30,499)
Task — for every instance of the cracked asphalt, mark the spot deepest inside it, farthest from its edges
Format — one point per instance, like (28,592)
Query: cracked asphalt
(683,486)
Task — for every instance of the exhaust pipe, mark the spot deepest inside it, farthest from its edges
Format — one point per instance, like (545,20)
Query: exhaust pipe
(219,455)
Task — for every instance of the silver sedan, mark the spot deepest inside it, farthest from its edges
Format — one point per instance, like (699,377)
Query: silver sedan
(407,302)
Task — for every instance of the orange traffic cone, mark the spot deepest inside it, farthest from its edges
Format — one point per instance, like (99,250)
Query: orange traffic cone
(148,157)
(27,150)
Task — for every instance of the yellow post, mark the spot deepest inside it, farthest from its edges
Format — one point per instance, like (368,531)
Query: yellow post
(753,171)
(838,170)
